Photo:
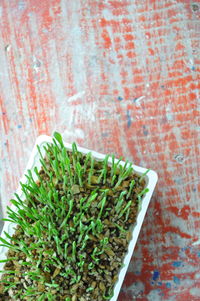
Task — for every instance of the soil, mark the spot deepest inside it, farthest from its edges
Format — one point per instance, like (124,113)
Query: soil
(90,270)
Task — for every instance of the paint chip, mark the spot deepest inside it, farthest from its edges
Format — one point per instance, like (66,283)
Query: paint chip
(195,7)
(176,280)
(7,48)
(156,275)
(177,264)
(128,119)
(180,158)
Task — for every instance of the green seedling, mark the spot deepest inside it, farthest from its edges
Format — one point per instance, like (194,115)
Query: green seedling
(143,175)
(130,189)
(91,171)
(103,202)
(104,170)
(120,201)
(143,192)
(126,208)
(124,175)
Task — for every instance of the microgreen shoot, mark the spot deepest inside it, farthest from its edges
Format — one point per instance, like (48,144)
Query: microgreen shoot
(143,192)
(91,170)
(143,175)
(124,175)
(58,137)
(130,189)
(103,202)
(125,209)
(120,201)
(74,250)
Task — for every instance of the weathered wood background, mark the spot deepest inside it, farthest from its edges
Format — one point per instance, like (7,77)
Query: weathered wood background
(122,77)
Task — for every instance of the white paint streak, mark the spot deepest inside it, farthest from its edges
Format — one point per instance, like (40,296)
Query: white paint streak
(137,289)
(196,243)
(138,100)
(154,295)
(195,291)
(169,114)
(74,134)
(76,96)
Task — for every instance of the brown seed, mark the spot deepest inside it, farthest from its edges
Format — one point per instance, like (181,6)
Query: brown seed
(75,189)
(125,183)
(74,298)
(56,272)
(108,278)
(74,287)
(41,287)
(93,284)
(115,278)
(102,286)
(128,236)
(109,252)
(93,237)
(94,180)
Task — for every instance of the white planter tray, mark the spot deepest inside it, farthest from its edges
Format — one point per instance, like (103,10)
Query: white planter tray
(151,179)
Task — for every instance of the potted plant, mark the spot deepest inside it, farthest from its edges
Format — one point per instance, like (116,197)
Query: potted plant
(72,227)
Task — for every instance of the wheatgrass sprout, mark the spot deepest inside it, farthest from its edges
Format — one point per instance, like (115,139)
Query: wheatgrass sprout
(90,200)
(124,175)
(143,192)
(58,137)
(115,166)
(81,262)
(74,251)
(113,180)
(130,189)
(121,199)
(108,297)
(71,202)
(104,170)
(94,255)
(143,175)
(99,225)
(85,242)
(91,171)
(103,202)
(125,209)
(87,159)
(79,171)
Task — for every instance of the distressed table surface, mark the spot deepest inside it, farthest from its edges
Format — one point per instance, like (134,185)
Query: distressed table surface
(119,77)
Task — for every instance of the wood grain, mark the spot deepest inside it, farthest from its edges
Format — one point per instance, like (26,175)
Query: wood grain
(119,77)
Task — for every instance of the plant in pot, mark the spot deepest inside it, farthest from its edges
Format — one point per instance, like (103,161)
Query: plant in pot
(72,224)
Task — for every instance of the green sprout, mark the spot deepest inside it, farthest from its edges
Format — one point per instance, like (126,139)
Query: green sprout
(130,189)
(102,205)
(126,209)
(74,250)
(91,171)
(143,175)
(104,170)
(120,201)
(124,175)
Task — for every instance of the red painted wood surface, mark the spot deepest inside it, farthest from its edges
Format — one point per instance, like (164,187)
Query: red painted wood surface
(122,77)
